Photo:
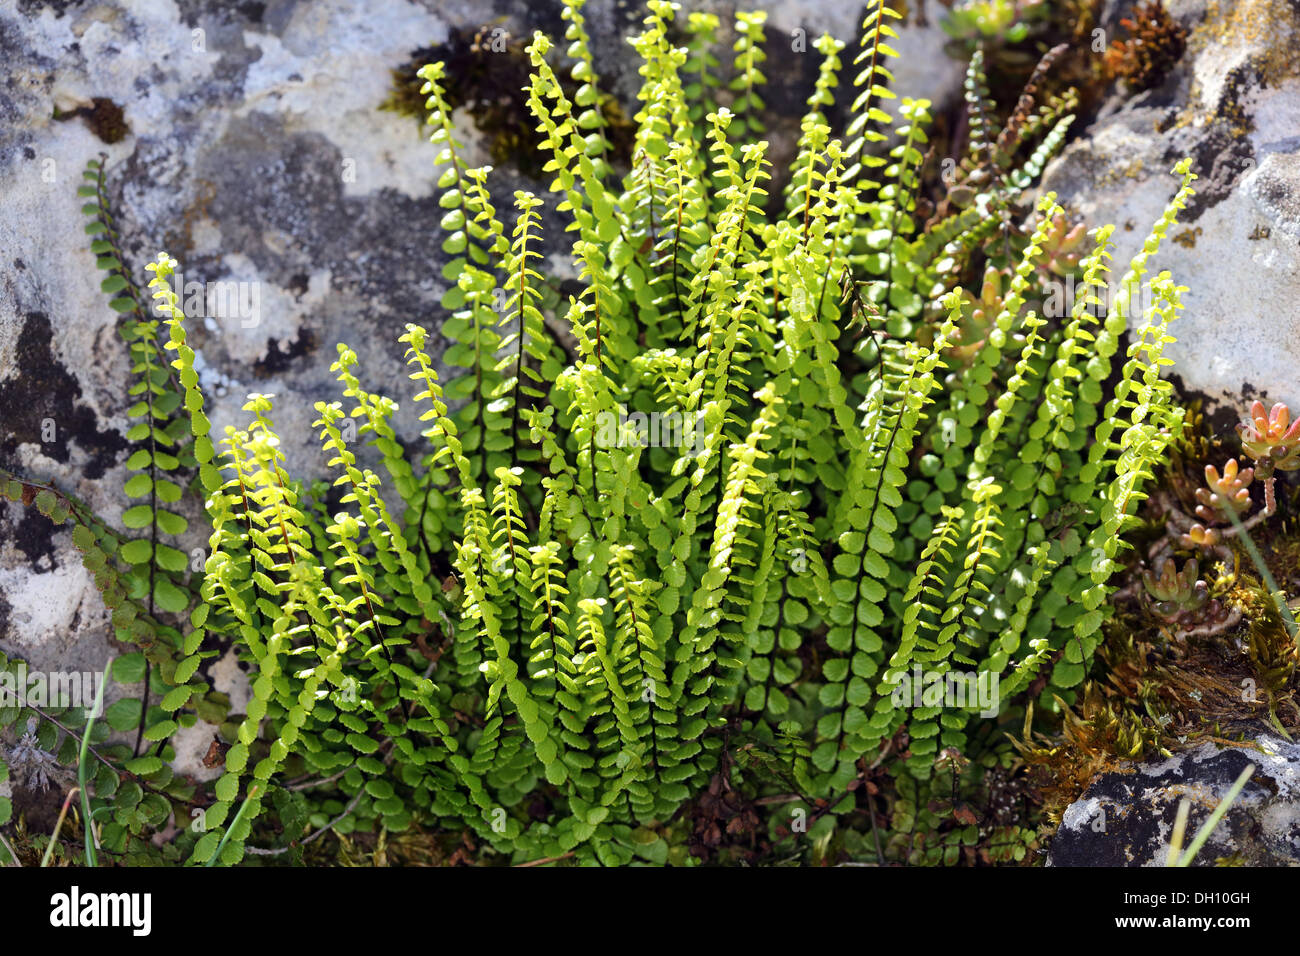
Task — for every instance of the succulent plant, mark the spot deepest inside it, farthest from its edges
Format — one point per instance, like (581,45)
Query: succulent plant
(1273,441)
(1199,536)
(1228,491)
(1178,595)
(1065,246)
(978,315)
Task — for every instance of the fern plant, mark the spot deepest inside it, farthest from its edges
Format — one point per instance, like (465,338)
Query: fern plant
(775,468)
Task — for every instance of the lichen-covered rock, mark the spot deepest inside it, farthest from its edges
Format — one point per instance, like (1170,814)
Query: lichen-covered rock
(1126,819)
(1232,103)
(247,140)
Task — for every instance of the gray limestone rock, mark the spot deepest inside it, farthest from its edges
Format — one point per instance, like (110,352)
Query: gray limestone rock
(1126,819)
(1233,105)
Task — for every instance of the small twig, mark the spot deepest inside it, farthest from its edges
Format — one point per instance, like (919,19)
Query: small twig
(1246,525)
(1210,630)
(13,857)
(880,758)
(75,736)
(58,826)
(1128,592)
(278,851)
(544,860)
(352,805)
(875,831)
(778,798)
(309,784)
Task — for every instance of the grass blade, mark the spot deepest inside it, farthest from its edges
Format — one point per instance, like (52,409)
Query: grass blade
(243,808)
(1208,826)
(87,822)
(58,826)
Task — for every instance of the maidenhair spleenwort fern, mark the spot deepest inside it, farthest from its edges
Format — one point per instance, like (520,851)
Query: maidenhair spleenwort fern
(783,467)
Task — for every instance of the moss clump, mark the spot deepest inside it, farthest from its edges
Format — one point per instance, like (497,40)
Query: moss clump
(104,117)
(1155,42)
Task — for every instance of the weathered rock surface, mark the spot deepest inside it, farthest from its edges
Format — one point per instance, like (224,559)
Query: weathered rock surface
(1126,819)
(1233,105)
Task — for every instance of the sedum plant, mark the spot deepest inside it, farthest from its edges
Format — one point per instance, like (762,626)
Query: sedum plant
(772,468)
(1175,594)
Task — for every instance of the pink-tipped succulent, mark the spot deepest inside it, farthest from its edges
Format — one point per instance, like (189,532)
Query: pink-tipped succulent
(1228,491)
(1274,442)
(1178,595)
